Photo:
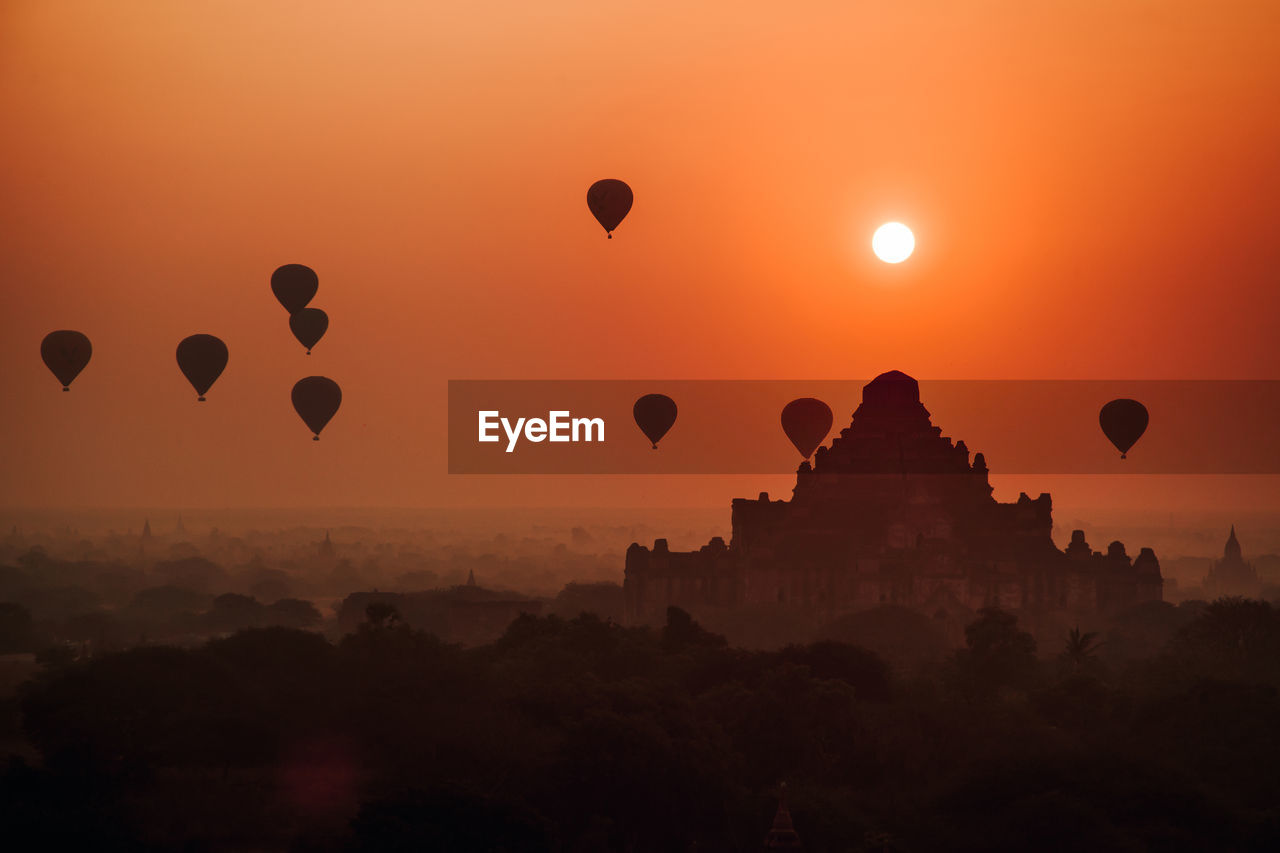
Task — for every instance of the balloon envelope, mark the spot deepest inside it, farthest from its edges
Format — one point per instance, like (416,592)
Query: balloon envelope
(316,400)
(654,414)
(609,200)
(202,358)
(294,285)
(66,353)
(309,326)
(1123,421)
(806,422)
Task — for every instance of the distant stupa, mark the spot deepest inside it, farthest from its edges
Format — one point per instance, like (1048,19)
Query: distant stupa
(146,530)
(1232,575)
(783,835)
(326,547)
(471,577)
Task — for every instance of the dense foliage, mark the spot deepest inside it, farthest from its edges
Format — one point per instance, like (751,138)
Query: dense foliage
(582,735)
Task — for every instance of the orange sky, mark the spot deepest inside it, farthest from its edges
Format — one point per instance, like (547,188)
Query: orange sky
(1093,186)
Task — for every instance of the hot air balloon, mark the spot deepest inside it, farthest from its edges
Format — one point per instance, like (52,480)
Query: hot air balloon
(309,326)
(806,422)
(1124,422)
(294,286)
(609,200)
(202,358)
(654,414)
(316,400)
(65,353)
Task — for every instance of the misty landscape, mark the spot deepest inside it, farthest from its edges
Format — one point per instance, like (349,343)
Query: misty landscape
(457,680)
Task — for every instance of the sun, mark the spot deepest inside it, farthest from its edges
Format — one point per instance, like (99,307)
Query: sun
(893,242)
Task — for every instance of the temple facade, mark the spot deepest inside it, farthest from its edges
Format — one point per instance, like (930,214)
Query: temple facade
(891,512)
(1232,575)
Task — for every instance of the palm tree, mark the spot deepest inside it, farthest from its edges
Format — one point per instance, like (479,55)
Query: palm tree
(1081,648)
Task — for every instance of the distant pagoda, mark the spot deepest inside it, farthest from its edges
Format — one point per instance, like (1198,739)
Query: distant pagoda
(1232,575)
(783,835)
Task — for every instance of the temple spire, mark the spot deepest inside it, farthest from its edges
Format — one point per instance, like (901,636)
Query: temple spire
(471,577)
(1232,549)
(326,547)
(783,834)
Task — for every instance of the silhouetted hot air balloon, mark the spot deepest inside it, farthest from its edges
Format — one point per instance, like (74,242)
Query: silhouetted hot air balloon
(609,200)
(316,400)
(654,414)
(294,285)
(1124,422)
(806,422)
(202,358)
(309,326)
(65,353)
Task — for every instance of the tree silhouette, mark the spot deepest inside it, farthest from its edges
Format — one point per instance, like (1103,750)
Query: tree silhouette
(682,632)
(1081,649)
(379,615)
(293,613)
(998,656)
(1233,638)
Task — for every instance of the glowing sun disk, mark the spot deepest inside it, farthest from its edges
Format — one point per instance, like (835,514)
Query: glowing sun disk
(893,242)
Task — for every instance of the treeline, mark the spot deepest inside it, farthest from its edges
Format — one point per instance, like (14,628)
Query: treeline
(56,607)
(582,735)
(157,613)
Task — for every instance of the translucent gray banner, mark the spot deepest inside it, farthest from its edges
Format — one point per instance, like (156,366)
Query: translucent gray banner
(734,427)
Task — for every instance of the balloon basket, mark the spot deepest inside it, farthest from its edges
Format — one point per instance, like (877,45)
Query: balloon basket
(65,388)
(199,399)
(315,438)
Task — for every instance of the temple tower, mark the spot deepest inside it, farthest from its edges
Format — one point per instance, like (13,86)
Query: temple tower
(1232,575)
(782,836)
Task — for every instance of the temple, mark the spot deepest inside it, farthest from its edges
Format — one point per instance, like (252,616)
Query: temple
(1232,575)
(892,512)
(782,835)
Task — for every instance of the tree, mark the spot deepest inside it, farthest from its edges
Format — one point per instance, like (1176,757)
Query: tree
(293,613)
(1081,649)
(904,637)
(682,632)
(379,615)
(148,707)
(862,669)
(998,656)
(232,611)
(1232,638)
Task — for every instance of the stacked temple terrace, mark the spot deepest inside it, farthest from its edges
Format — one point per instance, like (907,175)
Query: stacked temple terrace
(892,512)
